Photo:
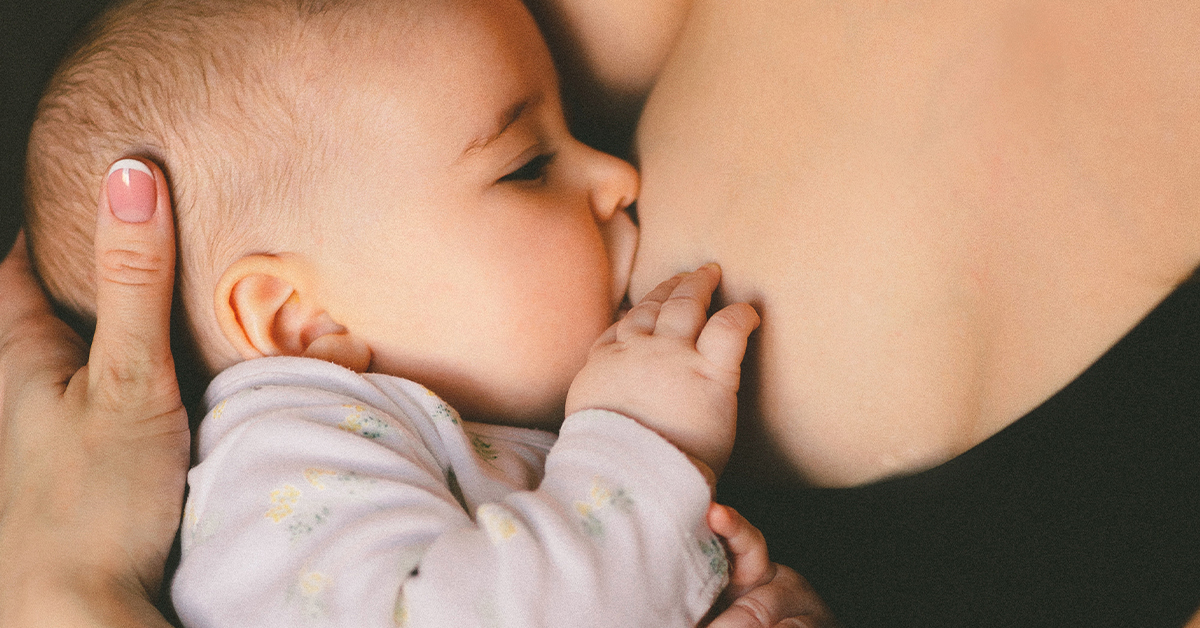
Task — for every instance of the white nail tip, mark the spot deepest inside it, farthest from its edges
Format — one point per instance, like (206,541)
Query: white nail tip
(130,164)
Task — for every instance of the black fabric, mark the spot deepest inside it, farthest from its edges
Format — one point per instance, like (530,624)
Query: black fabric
(1085,512)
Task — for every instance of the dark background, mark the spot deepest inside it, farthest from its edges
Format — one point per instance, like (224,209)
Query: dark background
(33,35)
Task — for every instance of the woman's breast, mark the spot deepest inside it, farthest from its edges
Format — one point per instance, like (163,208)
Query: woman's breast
(889,186)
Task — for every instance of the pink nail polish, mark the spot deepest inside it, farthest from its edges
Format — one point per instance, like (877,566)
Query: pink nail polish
(131,191)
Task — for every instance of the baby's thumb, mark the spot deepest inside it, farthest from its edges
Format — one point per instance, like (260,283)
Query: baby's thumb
(135,273)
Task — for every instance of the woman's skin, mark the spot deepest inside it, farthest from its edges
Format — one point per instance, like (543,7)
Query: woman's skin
(945,211)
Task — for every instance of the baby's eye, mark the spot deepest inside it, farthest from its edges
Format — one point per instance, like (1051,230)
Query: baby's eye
(532,170)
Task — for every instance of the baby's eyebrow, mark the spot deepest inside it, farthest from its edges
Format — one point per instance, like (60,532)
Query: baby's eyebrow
(511,114)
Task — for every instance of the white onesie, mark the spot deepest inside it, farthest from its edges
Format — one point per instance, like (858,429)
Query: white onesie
(323,497)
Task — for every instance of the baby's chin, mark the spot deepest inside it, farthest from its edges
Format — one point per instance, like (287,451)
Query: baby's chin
(530,406)
(548,420)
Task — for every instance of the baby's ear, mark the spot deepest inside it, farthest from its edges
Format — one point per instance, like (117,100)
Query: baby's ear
(264,309)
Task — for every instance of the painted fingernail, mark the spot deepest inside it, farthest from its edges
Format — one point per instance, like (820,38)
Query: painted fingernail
(131,191)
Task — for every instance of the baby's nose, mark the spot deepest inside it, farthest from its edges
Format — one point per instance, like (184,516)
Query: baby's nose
(614,185)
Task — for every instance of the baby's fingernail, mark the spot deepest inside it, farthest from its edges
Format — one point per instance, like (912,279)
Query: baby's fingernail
(131,191)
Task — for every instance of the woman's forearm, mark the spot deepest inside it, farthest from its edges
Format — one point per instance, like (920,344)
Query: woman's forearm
(54,600)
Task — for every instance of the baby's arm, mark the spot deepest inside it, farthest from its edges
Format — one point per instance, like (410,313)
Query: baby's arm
(336,502)
(339,499)
(669,366)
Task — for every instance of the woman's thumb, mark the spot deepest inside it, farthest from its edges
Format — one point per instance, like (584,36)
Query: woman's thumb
(135,273)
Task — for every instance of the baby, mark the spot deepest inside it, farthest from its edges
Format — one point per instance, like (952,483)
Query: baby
(371,191)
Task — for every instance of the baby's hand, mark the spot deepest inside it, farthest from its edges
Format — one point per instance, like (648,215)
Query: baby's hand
(761,593)
(673,369)
(750,566)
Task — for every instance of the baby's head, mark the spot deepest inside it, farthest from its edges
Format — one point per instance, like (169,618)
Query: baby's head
(386,185)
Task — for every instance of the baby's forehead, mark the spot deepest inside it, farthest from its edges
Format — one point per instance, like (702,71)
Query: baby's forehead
(374,49)
(429,61)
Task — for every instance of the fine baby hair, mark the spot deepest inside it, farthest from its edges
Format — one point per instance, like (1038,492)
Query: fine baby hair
(226,95)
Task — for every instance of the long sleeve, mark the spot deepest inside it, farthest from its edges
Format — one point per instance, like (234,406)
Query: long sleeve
(327,498)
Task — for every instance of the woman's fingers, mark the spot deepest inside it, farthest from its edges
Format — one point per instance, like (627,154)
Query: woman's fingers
(33,343)
(135,268)
(93,459)
(22,296)
(133,399)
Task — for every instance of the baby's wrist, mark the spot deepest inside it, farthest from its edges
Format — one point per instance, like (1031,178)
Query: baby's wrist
(706,470)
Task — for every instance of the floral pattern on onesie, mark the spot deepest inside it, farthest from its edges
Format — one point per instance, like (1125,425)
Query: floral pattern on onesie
(327,498)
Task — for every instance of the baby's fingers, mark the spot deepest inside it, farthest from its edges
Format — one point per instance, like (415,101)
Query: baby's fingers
(683,313)
(723,339)
(788,601)
(641,318)
(747,548)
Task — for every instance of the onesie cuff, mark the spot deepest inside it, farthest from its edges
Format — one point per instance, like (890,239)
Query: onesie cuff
(616,446)
(604,460)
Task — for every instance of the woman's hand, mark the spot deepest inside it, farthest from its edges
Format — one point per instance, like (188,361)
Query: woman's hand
(94,446)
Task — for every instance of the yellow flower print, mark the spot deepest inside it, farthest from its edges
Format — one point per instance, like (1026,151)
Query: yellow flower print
(282,500)
(313,582)
(219,410)
(313,476)
(309,592)
(601,494)
(363,423)
(353,420)
(600,498)
(190,519)
(400,611)
(499,525)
